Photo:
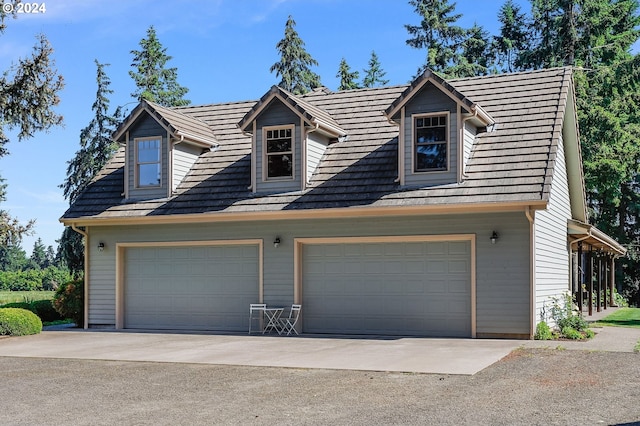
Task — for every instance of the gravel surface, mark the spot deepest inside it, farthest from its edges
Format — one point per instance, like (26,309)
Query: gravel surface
(530,386)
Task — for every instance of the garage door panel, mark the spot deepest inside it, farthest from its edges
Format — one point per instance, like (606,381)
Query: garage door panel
(199,288)
(416,288)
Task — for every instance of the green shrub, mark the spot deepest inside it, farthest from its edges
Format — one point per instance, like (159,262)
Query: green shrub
(21,305)
(589,334)
(572,333)
(543,332)
(19,322)
(69,301)
(45,310)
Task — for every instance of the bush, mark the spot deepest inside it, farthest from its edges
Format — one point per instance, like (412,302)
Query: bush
(69,301)
(21,305)
(45,310)
(543,332)
(19,322)
(572,333)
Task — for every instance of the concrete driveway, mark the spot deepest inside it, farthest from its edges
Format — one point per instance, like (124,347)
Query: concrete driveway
(416,355)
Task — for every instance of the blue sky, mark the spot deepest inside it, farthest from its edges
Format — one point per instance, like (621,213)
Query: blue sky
(222,48)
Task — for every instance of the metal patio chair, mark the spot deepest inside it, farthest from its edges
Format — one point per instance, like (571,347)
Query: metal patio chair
(288,324)
(256,313)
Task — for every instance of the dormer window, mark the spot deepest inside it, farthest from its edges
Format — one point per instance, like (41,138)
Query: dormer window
(430,142)
(148,162)
(278,152)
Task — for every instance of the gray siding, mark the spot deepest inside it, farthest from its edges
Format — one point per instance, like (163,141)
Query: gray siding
(502,272)
(552,257)
(316,145)
(469,137)
(147,127)
(184,156)
(430,99)
(277,114)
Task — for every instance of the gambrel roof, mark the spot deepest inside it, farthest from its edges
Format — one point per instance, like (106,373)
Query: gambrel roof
(511,165)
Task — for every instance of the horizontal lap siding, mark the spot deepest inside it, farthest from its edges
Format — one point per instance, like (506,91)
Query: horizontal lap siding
(184,156)
(552,261)
(502,269)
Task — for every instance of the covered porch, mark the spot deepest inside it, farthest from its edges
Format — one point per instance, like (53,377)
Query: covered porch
(593,255)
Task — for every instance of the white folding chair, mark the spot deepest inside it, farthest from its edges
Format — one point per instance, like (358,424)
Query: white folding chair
(288,324)
(256,313)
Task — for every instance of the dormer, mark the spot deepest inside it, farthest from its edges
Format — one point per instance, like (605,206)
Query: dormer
(161,146)
(437,127)
(288,138)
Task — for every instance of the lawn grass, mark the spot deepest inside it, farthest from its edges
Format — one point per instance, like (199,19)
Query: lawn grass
(623,317)
(24,296)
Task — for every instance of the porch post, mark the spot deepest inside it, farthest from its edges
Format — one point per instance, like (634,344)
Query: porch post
(590,278)
(579,277)
(605,279)
(612,279)
(599,293)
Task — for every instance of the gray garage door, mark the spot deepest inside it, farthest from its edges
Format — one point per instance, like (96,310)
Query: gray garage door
(417,288)
(194,288)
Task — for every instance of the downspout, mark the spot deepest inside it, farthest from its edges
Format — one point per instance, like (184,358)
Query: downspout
(532,271)
(86,273)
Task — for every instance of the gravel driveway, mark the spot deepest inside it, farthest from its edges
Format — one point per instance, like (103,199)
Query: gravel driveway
(530,386)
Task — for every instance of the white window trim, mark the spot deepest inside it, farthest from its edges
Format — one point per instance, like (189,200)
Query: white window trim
(265,164)
(136,171)
(413,141)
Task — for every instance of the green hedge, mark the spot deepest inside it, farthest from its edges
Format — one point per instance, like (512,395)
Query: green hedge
(19,322)
(42,308)
(69,301)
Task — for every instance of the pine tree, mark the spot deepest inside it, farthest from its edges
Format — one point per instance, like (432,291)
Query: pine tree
(436,33)
(374,75)
(347,78)
(38,259)
(512,40)
(295,63)
(154,82)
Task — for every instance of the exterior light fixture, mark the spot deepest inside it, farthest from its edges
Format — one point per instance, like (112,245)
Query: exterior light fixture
(494,237)
(101,246)
(276,242)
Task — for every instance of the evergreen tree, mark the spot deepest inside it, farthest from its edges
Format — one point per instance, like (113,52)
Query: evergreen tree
(347,78)
(512,40)
(96,146)
(374,75)
(38,259)
(71,251)
(474,58)
(28,92)
(295,63)
(436,33)
(154,82)
(13,257)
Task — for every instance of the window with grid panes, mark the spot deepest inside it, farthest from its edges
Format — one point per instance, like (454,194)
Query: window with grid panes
(430,143)
(279,153)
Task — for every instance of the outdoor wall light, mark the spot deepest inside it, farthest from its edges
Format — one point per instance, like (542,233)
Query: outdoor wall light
(276,242)
(494,237)
(101,246)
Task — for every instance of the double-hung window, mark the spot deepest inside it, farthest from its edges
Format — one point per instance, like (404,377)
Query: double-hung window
(430,143)
(148,162)
(278,151)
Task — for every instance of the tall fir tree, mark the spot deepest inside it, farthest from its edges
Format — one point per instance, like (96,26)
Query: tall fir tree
(154,81)
(96,149)
(512,40)
(348,78)
(38,258)
(28,95)
(437,33)
(374,75)
(294,66)
(474,58)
